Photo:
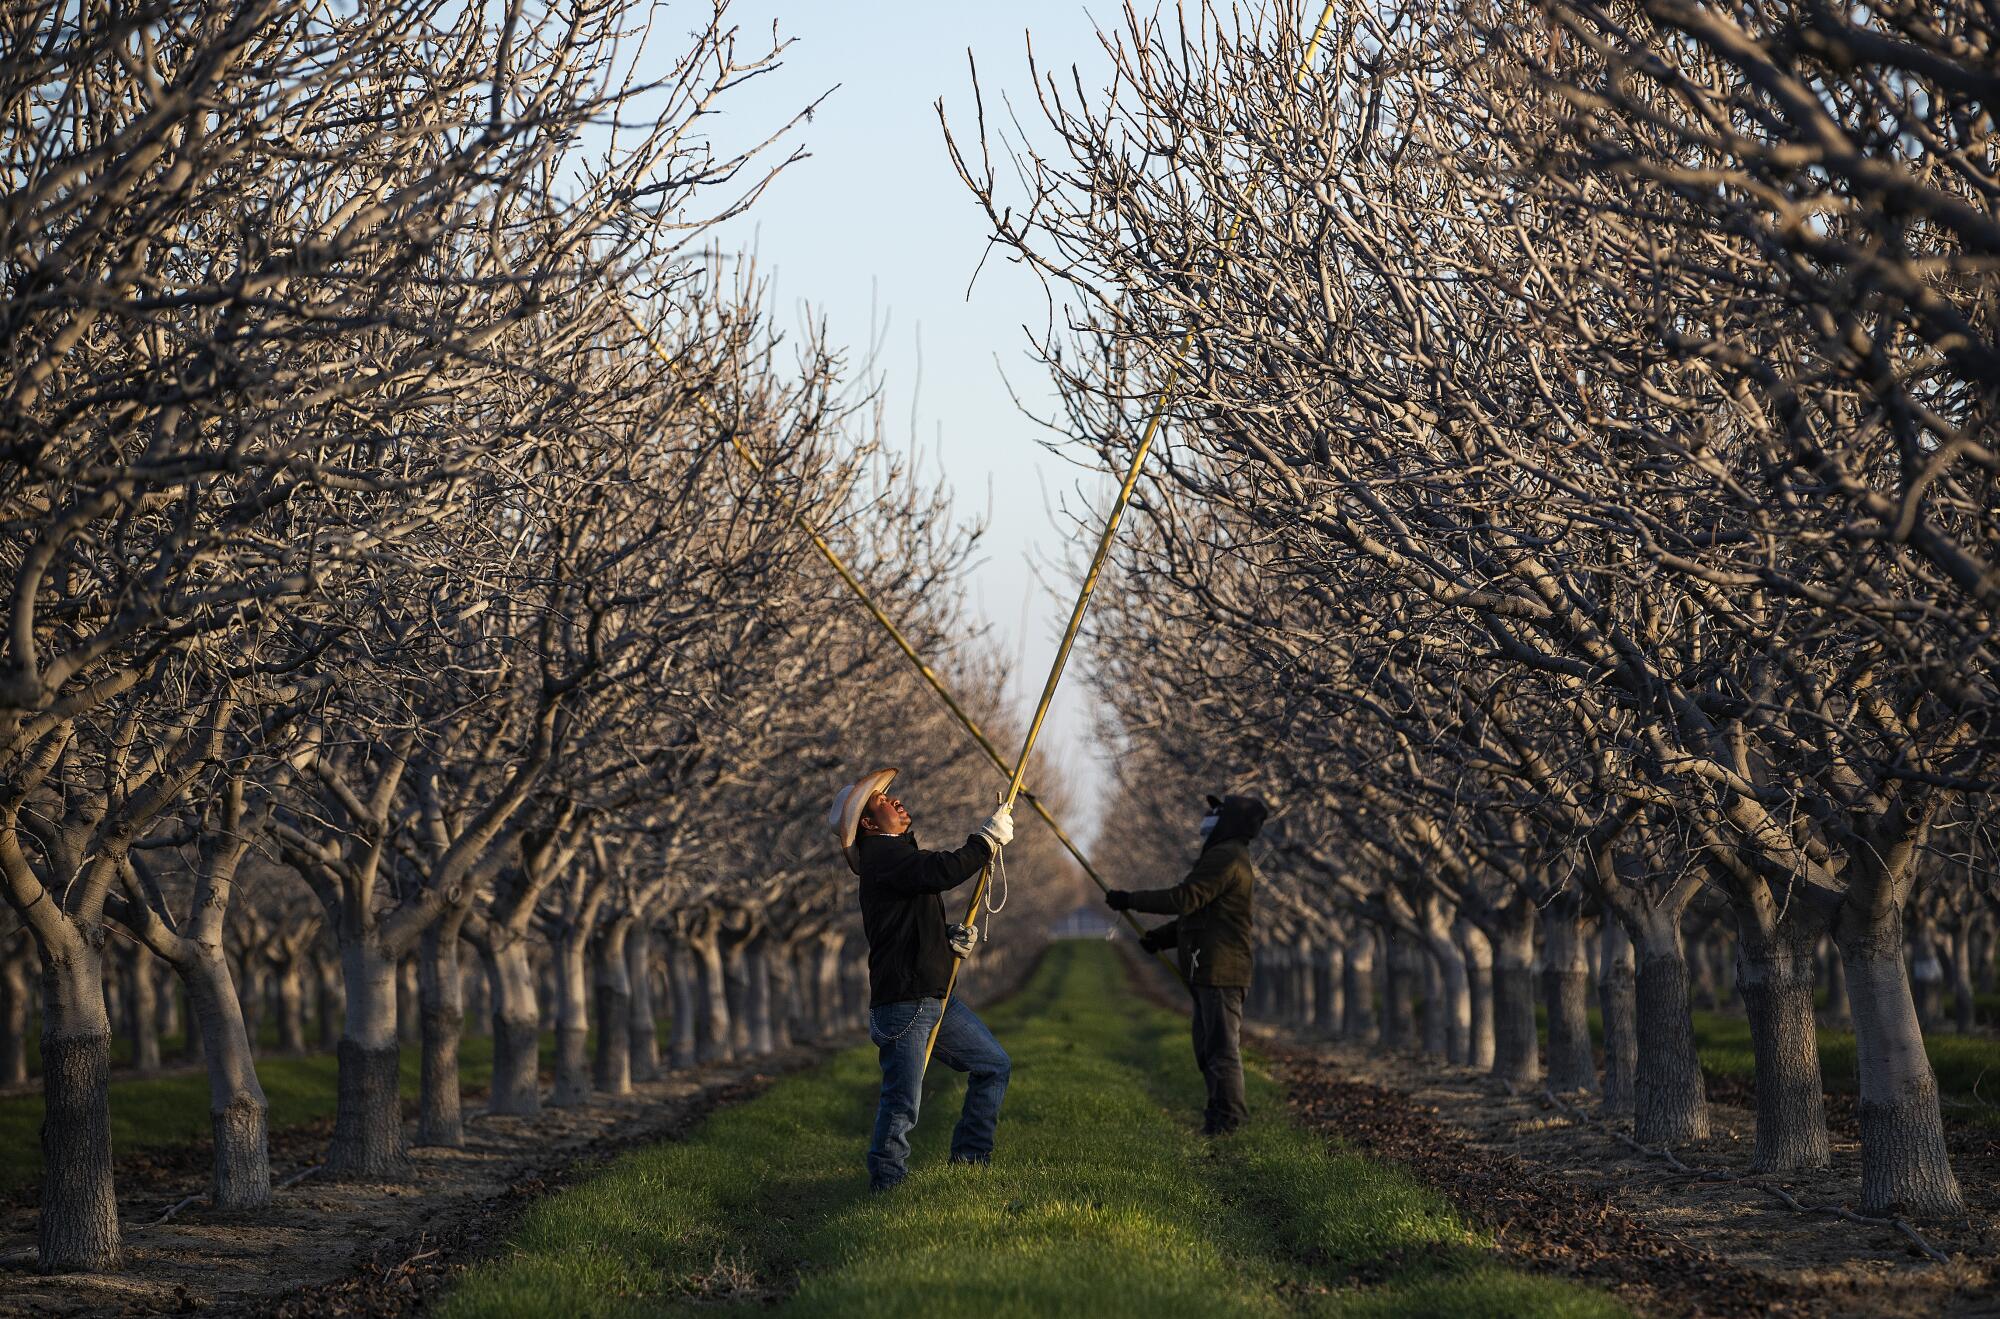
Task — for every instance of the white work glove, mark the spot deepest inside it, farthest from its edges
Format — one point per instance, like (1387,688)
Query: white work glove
(999,828)
(961,938)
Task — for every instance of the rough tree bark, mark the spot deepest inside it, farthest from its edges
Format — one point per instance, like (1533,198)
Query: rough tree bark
(611,1068)
(1516,1053)
(1566,995)
(1618,1007)
(1775,973)
(441,1002)
(1904,1162)
(1670,1103)
(368,1123)
(572,986)
(517,1024)
(238,1111)
(78,1231)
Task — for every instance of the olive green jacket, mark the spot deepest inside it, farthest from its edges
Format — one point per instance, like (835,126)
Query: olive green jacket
(1217,916)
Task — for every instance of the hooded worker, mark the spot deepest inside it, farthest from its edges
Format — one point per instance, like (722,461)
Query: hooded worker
(1214,922)
(911,950)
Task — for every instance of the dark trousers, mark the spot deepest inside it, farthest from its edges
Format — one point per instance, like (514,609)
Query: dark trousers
(1218,1051)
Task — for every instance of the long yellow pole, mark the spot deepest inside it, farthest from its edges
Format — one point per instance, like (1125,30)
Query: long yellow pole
(1097,561)
(929,674)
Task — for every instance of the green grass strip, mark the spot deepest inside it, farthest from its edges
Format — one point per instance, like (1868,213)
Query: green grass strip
(1102,1200)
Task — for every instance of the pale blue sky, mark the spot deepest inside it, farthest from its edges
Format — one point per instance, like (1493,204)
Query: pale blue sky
(877,221)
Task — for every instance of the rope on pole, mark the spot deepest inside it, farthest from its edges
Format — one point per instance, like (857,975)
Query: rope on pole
(1104,544)
(888,624)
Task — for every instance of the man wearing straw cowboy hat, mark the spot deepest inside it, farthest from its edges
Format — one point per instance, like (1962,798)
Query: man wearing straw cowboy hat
(910,952)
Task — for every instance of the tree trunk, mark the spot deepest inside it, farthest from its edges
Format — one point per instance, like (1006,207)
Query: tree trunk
(643,1028)
(1776,977)
(1670,1105)
(572,974)
(142,1009)
(779,964)
(441,1005)
(1704,984)
(682,1042)
(1435,1007)
(331,1000)
(409,1003)
(517,1028)
(478,994)
(736,988)
(1960,947)
(1904,1163)
(611,1068)
(1328,1004)
(1836,1012)
(79,1220)
(167,1005)
(829,1005)
(368,1120)
(1566,996)
(1399,1024)
(1618,1006)
(1517,1058)
(1449,984)
(191,1037)
(240,1177)
(1985,965)
(13,1018)
(290,976)
(712,990)
(757,996)
(1477,950)
(249,988)
(1357,1020)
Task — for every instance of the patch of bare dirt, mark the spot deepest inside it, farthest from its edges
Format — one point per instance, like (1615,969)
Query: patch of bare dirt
(357,1249)
(1561,1193)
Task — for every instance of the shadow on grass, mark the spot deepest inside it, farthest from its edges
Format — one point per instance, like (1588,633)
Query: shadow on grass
(1103,1200)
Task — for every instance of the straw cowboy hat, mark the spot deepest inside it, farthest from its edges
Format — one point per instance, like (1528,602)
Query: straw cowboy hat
(845,817)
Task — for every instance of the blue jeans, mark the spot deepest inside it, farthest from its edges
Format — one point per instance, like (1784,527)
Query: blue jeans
(900,1031)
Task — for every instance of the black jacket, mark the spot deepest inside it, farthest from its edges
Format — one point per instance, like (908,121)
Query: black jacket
(908,956)
(1215,903)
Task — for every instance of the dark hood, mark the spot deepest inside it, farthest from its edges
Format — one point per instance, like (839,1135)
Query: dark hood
(1237,819)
